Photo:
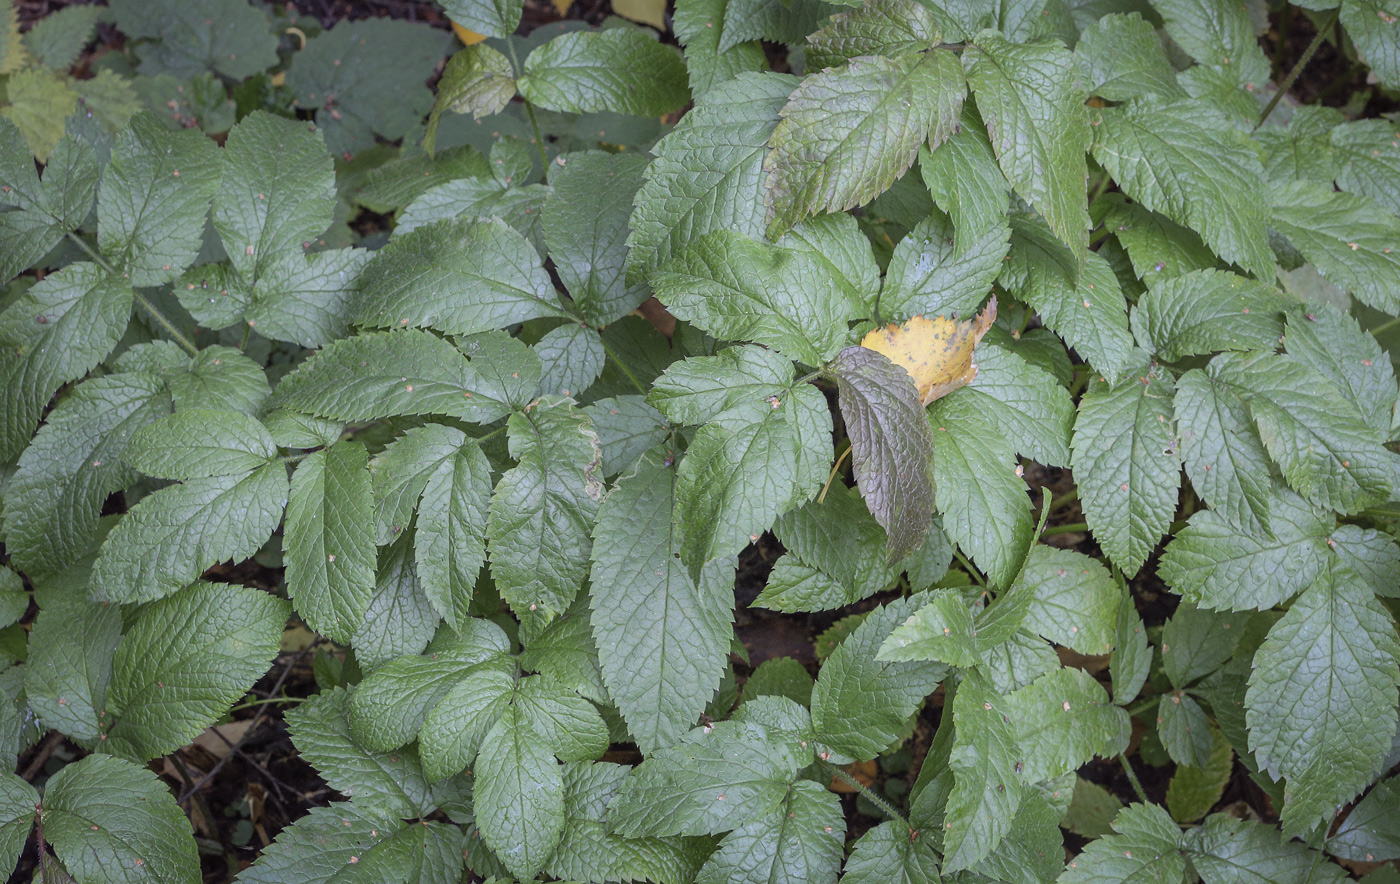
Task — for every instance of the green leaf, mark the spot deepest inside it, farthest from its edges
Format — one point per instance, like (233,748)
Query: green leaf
(1121,57)
(519,797)
(1126,460)
(1225,850)
(164,693)
(837,241)
(461,276)
(277,194)
(567,723)
(70,666)
(734,387)
(800,841)
(1132,656)
(398,183)
(1085,308)
(109,820)
(200,443)
(460,717)
(836,556)
(1371,831)
(1334,344)
(859,703)
(941,630)
(1193,791)
(565,652)
(965,181)
(172,536)
(1315,434)
(328,540)
(737,477)
(627,427)
(1184,730)
(17,802)
(715,779)
(1205,311)
(327,843)
(590,852)
(1196,642)
(520,207)
(1167,157)
(1074,600)
(478,80)
(1221,37)
(493,18)
(39,102)
(400,619)
(1091,811)
(889,27)
(572,358)
(885,854)
(662,637)
(1224,456)
(739,289)
(585,229)
(218,377)
(1158,247)
(622,70)
(306,300)
(1145,851)
(55,332)
(1215,563)
(366,78)
(401,472)
(847,134)
(1350,239)
(1033,103)
(542,511)
(1062,720)
(979,494)
(772,20)
(373,376)
(1373,555)
(892,445)
(696,23)
(450,546)
(53,499)
(1367,163)
(1371,24)
(154,199)
(987,785)
(378,781)
(232,39)
(932,273)
(58,38)
(1331,660)
(389,706)
(708,172)
(41,214)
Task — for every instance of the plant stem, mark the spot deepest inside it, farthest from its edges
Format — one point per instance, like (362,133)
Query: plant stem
(967,565)
(529,109)
(1384,327)
(889,811)
(267,702)
(1303,60)
(1132,777)
(1065,499)
(1071,528)
(821,498)
(612,354)
(150,308)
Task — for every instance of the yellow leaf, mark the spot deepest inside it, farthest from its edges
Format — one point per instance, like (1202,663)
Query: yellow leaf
(563,6)
(648,12)
(937,353)
(469,38)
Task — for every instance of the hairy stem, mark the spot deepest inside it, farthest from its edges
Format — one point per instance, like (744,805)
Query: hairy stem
(1132,777)
(888,809)
(622,366)
(529,109)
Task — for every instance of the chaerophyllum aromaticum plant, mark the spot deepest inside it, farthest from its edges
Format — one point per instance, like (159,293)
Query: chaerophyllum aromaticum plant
(956,247)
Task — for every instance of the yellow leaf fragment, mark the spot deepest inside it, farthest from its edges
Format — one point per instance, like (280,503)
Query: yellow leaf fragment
(468,38)
(937,352)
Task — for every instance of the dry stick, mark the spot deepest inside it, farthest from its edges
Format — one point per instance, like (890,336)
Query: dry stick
(1306,57)
(219,765)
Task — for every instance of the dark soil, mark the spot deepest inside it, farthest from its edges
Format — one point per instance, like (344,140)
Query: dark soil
(246,782)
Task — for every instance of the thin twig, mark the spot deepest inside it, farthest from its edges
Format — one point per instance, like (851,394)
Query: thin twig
(1303,60)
